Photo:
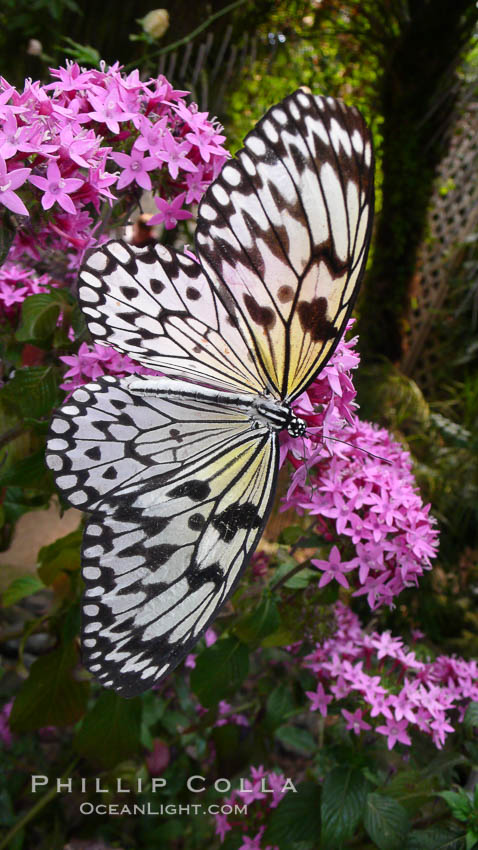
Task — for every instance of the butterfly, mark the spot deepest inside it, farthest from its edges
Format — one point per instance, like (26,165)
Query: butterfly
(178,472)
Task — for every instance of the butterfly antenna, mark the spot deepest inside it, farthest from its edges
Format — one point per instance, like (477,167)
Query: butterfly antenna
(378,457)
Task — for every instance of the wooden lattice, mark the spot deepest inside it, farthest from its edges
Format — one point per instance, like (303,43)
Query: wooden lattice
(453,216)
(206,67)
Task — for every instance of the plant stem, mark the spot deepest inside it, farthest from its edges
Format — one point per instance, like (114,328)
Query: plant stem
(11,434)
(162,50)
(287,576)
(42,802)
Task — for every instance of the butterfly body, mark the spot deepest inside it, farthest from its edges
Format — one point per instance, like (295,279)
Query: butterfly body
(178,473)
(263,409)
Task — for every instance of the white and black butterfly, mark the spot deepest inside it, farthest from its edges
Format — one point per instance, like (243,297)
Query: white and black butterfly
(179,473)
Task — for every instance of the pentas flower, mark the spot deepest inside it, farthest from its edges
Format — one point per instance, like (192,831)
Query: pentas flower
(64,145)
(16,284)
(358,482)
(169,213)
(9,181)
(174,154)
(91,362)
(334,568)
(56,189)
(135,168)
(363,670)
(261,792)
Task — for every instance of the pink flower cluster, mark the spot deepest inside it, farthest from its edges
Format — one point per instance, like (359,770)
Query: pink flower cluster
(16,284)
(263,786)
(366,504)
(52,138)
(91,362)
(64,146)
(355,666)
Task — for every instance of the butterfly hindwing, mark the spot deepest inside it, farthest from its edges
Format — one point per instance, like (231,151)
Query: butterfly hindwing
(283,233)
(170,533)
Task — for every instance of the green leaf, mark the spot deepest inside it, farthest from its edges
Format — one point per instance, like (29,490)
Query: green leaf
(220,669)
(61,556)
(259,623)
(33,391)
(471,839)
(50,696)
(20,588)
(111,731)
(296,739)
(282,637)
(296,818)
(344,794)
(470,720)
(410,788)
(29,472)
(39,317)
(459,802)
(297,581)
(386,821)
(302,579)
(279,704)
(291,535)
(435,838)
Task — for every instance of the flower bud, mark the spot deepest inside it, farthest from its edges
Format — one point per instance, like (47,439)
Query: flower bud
(35,47)
(156,22)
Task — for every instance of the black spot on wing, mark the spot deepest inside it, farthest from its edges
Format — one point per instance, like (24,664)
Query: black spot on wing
(196,490)
(156,286)
(260,315)
(196,522)
(235,517)
(313,318)
(93,453)
(192,293)
(212,573)
(129,292)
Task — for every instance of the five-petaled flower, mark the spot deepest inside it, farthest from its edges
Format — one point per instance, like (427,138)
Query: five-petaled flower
(170,212)
(56,188)
(9,181)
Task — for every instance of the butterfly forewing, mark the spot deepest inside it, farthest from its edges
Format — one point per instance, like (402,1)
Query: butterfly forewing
(179,496)
(157,306)
(283,233)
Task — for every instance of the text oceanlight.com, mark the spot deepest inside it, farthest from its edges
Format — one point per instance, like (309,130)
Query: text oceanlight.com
(167,809)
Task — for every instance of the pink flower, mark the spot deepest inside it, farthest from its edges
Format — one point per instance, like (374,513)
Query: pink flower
(222,826)
(158,760)
(169,213)
(135,168)
(319,700)
(175,155)
(6,736)
(9,135)
(108,109)
(334,568)
(395,730)
(205,143)
(355,723)
(9,181)
(56,188)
